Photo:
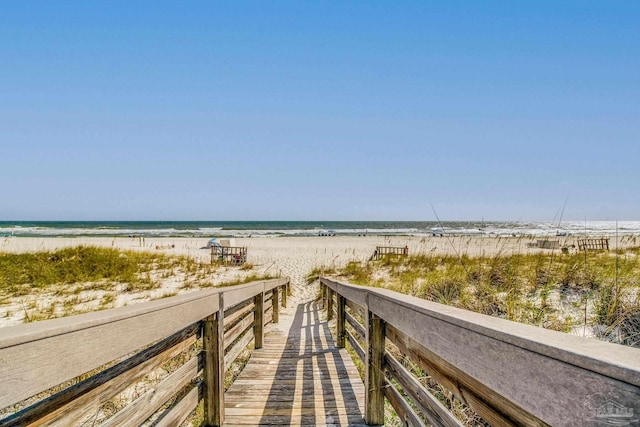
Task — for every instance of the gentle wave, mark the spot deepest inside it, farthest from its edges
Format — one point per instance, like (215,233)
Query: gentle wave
(295,229)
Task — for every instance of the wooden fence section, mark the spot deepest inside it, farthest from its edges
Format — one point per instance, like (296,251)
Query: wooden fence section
(508,373)
(229,255)
(202,332)
(382,251)
(593,244)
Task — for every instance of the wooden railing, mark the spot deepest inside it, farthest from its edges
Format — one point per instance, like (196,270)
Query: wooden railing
(508,373)
(75,365)
(233,255)
(382,251)
(601,244)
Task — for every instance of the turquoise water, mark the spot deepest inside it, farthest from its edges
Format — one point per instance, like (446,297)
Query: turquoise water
(305,228)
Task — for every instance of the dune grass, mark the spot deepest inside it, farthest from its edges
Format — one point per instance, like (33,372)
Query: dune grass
(50,284)
(595,290)
(21,274)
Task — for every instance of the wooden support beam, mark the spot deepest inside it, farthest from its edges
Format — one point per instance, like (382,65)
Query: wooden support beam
(285,291)
(323,293)
(341,317)
(329,305)
(258,325)
(213,342)
(276,305)
(374,375)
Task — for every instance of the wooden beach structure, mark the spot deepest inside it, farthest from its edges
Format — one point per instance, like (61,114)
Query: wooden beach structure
(601,244)
(66,371)
(229,255)
(382,251)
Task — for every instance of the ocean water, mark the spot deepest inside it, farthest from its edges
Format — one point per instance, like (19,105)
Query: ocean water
(308,228)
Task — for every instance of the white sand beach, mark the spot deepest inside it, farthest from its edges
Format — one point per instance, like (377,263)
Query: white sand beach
(295,257)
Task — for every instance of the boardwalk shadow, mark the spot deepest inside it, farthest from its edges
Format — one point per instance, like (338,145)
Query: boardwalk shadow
(312,385)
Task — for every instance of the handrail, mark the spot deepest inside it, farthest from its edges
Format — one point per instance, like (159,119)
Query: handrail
(509,373)
(37,356)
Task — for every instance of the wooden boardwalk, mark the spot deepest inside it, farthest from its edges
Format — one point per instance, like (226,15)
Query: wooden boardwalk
(299,377)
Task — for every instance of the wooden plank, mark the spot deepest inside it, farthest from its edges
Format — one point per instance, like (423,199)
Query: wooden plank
(615,361)
(234,333)
(356,346)
(374,377)
(329,305)
(179,412)
(236,313)
(340,320)
(258,325)
(70,405)
(453,380)
(357,327)
(144,406)
(241,293)
(284,295)
(297,379)
(276,306)
(355,308)
(511,375)
(430,407)
(273,283)
(352,293)
(403,410)
(268,318)
(436,368)
(40,355)
(214,368)
(237,348)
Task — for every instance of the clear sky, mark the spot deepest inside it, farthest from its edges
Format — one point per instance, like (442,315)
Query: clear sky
(140,110)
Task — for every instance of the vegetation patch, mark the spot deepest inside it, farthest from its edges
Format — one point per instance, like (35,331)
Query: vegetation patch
(590,293)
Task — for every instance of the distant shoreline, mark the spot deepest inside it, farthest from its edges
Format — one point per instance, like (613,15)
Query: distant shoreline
(241,229)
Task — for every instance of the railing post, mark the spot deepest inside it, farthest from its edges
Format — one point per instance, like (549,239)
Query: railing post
(323,292)
(341,318)
(284,295)
(289,288)
(329,304)
(275,304)
(213,342)
(374,376)
(258,323)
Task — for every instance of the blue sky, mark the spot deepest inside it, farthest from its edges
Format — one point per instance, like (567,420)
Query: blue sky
(319,110)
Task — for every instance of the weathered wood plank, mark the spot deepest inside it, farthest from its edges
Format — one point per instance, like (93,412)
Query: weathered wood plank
(276,306)
(74,403)
(355,308)
(239,311)
(258,324)
(37,356)
(514,365)
(431,407)
(232,334)
(234,352)
(374,376)
(285,293)
(340,320)
(300,379)
(144,406)
(356,346)
(403,410)
(214,367)
(175,415)
(329,305)
(357,327)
